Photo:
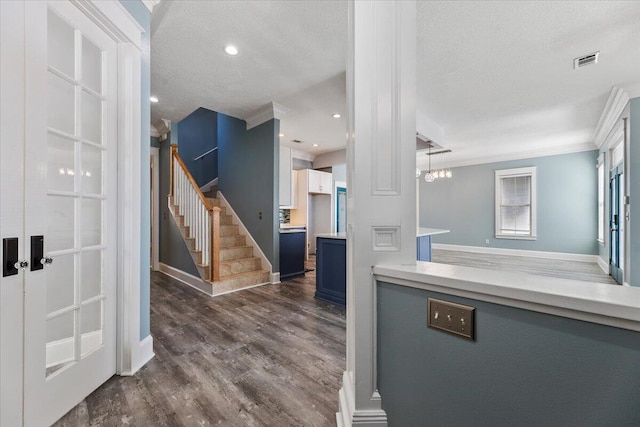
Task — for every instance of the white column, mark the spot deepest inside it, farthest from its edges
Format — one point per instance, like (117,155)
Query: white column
(381,213)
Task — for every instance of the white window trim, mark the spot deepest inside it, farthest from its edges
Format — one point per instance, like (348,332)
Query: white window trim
(526,171)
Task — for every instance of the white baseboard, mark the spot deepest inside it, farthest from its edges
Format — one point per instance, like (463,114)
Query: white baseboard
(145,353)
(275,278)
(209,185)
(264,262)
(603,265)
(626,284)
(186,278)
(518,252)
(350,416)
(142,355)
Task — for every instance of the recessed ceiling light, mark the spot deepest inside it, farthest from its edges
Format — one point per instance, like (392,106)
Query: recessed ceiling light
(315,145)
(281,135)
(153,99)
(336,115)
(231,50)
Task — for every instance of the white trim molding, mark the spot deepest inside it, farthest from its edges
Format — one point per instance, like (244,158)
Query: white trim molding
(562,256)
(209,185)
(422,161)
(381,214)
(616,103)
(602,264)
(302,155)
(188,279)
(266,113)
(150,4)
(515,173)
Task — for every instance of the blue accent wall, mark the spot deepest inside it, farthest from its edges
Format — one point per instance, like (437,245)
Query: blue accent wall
(155,142)
(173,249)
(567,204)
(524,369)
(140,13)
(633,278)
(248,177)
(197,134)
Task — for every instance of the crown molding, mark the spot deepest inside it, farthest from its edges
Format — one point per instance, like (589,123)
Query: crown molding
(617,101)
(154,132)
(266,113)
(150,4)
(422,163)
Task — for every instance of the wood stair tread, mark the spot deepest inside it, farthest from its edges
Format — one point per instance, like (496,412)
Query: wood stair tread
(242,275)
(229,261)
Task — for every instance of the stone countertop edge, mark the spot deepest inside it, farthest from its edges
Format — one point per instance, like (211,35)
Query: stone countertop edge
(341,236)
(293,230)
(426,231)
(601,303)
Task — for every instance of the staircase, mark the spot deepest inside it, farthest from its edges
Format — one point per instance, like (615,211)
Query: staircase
(224,260)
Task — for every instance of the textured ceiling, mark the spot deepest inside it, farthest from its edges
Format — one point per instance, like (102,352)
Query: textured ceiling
(496,76)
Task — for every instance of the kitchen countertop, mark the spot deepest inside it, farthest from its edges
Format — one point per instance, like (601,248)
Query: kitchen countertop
(289,228)
(341,236)
(425,231)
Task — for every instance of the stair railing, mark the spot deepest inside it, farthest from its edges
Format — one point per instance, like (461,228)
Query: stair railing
(202,221)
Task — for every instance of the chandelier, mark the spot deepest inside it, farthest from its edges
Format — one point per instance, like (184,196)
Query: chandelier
(432,175)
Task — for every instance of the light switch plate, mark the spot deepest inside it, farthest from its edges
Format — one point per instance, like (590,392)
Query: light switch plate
(450,317)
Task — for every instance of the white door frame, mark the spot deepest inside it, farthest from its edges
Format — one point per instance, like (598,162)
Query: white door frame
(155,209)
(132,352)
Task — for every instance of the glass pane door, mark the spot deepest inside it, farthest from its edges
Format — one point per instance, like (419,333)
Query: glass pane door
(70,199)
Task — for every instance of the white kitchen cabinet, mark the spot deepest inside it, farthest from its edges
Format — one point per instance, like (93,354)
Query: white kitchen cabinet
(286,183)
(313,205)
(320,182)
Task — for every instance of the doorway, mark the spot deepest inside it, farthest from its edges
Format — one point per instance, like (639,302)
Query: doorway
(616,224)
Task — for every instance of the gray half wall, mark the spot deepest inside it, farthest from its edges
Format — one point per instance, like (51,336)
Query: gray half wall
(248,176)
(567,200)
(524,369)
(173,249)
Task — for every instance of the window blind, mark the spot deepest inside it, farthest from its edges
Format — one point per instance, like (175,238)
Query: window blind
(515,205)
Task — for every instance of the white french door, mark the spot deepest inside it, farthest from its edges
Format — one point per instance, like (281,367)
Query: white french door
(70,200)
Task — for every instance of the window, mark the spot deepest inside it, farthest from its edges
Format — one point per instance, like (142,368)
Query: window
(601,184)
(516,203)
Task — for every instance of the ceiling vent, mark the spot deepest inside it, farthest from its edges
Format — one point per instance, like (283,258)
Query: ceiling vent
(583,61)
(297,141)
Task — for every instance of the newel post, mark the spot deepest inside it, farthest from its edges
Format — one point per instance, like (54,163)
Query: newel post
(214,242)
(174,150)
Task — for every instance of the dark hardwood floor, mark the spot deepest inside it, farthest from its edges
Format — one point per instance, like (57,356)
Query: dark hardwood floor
(267,356)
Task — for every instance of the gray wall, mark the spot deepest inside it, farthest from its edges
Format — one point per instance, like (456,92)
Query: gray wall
(173,249)
(140,13)
(634,192)
(299,164)
(248,176)
(567,204)
(524,369)
(339,173)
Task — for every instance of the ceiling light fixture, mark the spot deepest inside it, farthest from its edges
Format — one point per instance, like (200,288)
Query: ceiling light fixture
(336,115)
(153,99)
(281,135)
(315,145)
(231,50)
(432,175)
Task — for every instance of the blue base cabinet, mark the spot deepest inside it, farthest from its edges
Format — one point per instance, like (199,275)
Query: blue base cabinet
(331,270)
(424,248)
(292,255)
